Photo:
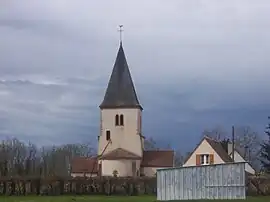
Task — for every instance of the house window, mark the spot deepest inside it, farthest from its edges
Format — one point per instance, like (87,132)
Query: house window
(121,120)
(204,159)
(117,120)
(108,135)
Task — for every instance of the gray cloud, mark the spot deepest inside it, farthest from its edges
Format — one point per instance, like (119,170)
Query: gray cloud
(194,63)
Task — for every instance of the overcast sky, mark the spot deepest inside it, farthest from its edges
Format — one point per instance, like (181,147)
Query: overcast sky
(195,64)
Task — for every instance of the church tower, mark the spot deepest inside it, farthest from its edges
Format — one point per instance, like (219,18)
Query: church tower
(120,143)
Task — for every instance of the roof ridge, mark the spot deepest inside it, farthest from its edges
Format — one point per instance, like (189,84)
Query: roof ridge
(211,138)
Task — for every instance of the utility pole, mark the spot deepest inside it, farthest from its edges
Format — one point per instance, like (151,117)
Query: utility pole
(233,139)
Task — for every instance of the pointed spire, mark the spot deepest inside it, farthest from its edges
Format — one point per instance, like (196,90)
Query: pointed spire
(120,92)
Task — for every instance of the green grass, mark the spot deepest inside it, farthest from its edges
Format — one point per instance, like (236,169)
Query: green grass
(105,199)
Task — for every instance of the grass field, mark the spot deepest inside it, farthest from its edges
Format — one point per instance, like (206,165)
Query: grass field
(104,199)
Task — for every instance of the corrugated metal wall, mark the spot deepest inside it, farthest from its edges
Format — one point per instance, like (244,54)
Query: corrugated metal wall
(223,181)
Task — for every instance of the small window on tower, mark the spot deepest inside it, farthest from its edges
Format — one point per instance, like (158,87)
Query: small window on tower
(121,120)
(117,120)
(108,135)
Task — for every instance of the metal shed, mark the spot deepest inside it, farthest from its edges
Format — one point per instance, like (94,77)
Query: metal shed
(220,181)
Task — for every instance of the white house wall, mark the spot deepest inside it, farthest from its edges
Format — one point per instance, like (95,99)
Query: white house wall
(239,158)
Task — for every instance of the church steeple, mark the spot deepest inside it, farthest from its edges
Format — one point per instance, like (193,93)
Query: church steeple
(120,92)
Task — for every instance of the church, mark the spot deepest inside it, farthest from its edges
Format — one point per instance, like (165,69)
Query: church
(120,143)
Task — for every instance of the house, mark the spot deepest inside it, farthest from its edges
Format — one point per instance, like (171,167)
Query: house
(120,142)
(210,151)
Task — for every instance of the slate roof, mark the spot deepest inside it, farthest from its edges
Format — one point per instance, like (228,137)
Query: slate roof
(160,158)
(120,153)
(217,146)
(120,91)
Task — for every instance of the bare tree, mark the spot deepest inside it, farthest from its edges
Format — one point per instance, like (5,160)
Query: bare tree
(179,158)
(55,161)
(247,141)
(20,159)
(217,133)
(150,144)
(245,137)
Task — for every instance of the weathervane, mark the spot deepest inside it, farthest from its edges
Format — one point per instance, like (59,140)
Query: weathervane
(121,30)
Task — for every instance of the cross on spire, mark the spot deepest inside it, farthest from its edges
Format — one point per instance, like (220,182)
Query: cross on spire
(120,31)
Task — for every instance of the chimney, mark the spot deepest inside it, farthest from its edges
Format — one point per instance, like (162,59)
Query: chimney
(233,146)
(229,147)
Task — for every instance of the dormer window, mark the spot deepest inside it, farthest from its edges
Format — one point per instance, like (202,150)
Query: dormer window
(119,120)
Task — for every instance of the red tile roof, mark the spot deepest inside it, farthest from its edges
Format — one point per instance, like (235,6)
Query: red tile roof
(84,165)
(158,158)
(120,153)
(150,159)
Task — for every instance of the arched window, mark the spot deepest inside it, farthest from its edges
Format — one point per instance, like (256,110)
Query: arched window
(117,120)
(121,120)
